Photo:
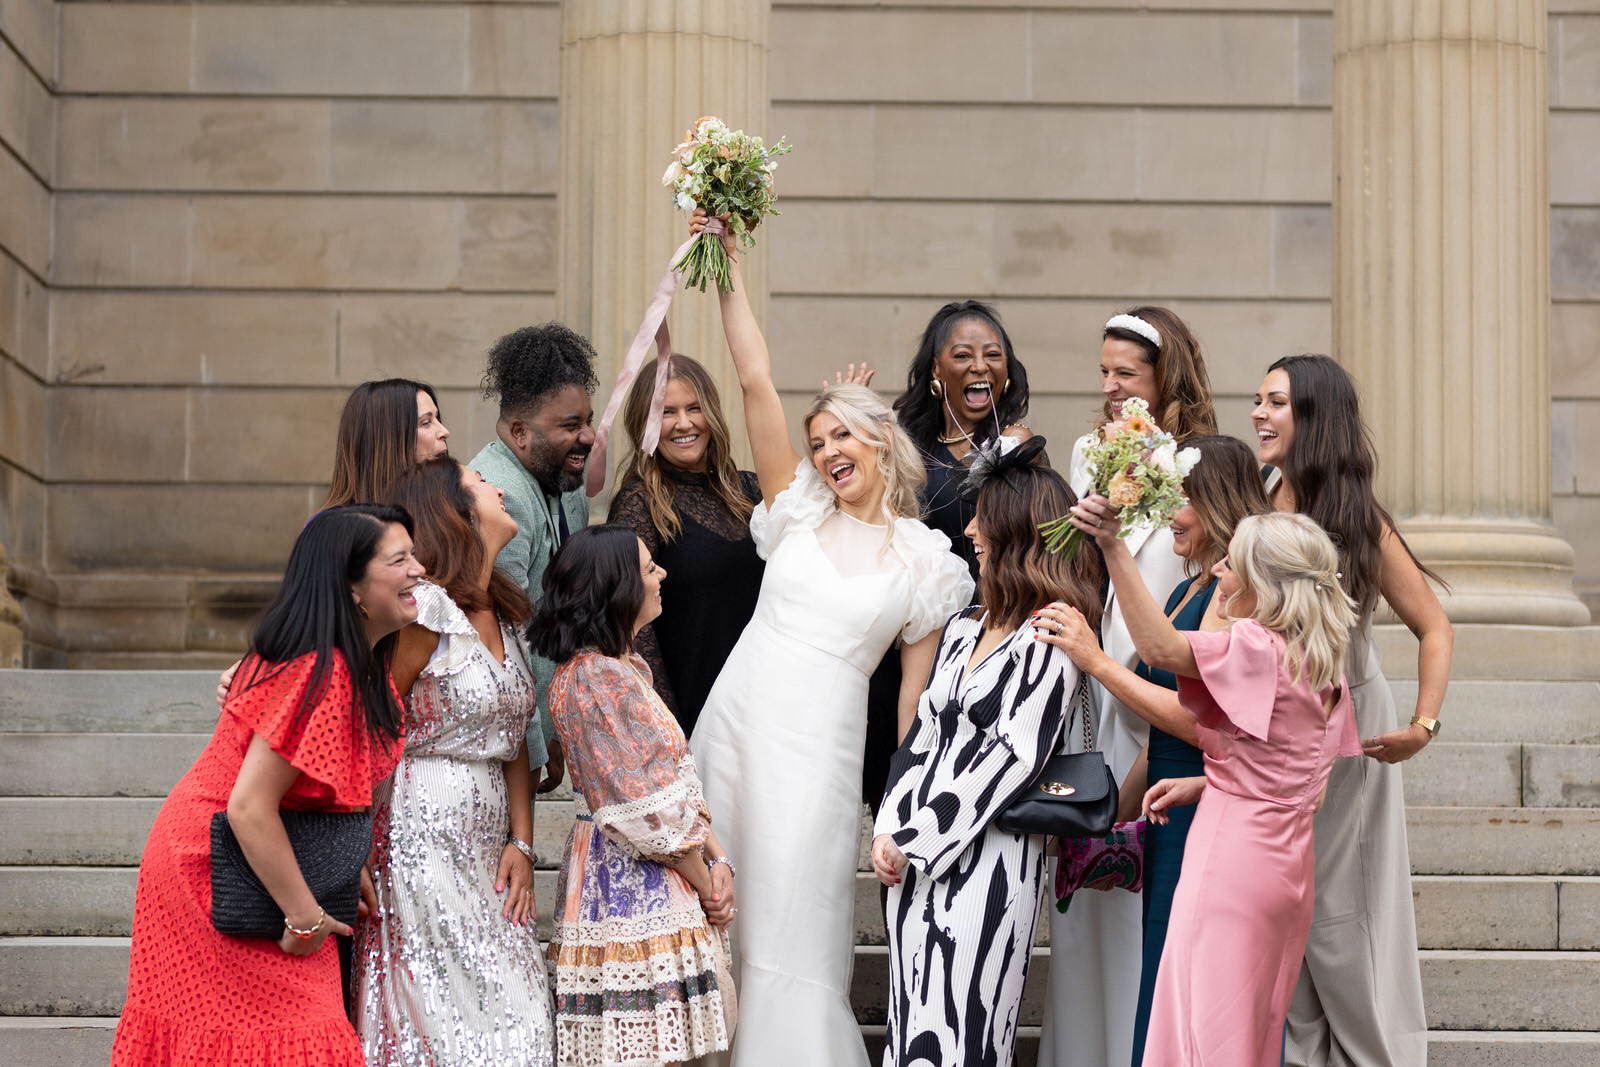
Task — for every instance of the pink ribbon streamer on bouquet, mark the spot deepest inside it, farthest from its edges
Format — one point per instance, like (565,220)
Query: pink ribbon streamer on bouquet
(654,327)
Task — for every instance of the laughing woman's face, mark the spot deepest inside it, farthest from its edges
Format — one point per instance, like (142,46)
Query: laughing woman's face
(972,368)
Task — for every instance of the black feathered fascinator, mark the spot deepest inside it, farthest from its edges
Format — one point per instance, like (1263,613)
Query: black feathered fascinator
(999,458)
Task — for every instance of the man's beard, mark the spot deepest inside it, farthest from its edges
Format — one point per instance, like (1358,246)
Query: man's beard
(549,468)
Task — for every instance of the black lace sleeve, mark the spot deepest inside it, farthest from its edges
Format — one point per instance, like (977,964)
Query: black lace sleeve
(630,508)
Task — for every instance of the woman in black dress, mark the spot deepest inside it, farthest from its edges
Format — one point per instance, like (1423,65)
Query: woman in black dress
(965,387)
(691,506)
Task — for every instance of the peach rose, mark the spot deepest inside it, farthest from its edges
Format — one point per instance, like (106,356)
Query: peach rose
(1124,490)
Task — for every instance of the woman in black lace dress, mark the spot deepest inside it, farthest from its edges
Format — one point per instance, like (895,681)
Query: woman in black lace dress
(691,507)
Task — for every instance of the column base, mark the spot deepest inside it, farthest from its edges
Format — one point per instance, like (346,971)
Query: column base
(1506,571)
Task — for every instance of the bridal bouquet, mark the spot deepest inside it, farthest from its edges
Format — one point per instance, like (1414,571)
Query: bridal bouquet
(1138,467)
(727,172)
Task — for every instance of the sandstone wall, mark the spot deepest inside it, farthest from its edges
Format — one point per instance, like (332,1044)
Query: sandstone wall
(243,209)
(27,161)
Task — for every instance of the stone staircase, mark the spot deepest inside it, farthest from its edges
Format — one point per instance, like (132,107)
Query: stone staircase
(1504,814)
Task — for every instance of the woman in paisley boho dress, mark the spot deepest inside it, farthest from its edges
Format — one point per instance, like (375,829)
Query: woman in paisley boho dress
(448,967)
(639,946)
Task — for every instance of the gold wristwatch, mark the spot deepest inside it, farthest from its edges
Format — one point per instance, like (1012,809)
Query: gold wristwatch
(1430,725)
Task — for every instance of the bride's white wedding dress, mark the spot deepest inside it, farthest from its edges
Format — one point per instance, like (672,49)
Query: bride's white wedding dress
(779,748)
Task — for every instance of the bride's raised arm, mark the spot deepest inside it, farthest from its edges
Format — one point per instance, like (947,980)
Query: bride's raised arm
(770,444)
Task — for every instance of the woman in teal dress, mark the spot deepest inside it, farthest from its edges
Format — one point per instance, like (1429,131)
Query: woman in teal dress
(1224,487)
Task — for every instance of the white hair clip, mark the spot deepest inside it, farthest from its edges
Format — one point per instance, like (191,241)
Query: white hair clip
(1135,324)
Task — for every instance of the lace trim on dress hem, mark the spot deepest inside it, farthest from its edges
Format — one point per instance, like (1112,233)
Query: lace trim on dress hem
(669,924)
(672,1036)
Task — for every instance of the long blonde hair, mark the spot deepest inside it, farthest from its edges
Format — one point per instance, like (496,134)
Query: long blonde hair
(866,416)
(1291,566)
(722,474)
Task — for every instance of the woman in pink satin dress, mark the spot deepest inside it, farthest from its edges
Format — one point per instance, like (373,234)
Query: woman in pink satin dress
(1273,713)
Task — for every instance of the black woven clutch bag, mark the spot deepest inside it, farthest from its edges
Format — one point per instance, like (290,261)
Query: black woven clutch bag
(329,846)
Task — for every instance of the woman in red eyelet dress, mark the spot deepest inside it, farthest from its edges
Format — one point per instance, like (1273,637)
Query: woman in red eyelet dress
(198,997)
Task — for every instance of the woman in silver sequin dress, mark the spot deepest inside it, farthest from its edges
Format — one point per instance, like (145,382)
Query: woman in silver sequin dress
(448,967)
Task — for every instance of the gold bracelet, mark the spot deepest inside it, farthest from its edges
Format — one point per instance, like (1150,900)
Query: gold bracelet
(306,935)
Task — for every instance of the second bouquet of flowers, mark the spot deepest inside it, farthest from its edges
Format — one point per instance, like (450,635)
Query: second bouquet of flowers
(727,172)
(1138,467)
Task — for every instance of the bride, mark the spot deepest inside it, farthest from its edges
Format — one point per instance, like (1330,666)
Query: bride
(850,570)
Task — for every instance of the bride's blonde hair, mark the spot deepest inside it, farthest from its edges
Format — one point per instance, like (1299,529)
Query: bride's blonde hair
(868,418)
(1292,568)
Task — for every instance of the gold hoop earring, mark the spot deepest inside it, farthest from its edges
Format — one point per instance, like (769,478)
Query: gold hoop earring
(363,609)
(936,387)
(1006,387)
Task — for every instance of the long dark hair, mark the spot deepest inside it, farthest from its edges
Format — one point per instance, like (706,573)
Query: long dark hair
(1224,488)
(1019,574)
(448,543)
(1186,409)
(314,612)
(722,473)
(377,440)
(921,413)
(1330,466)
(591,595)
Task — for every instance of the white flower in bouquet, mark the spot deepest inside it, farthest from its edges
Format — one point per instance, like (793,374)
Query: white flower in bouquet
(727,172)
(1138,467)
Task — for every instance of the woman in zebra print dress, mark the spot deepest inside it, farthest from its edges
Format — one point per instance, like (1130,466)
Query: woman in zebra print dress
(964,895)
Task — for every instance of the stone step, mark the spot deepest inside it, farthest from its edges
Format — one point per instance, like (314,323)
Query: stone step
(67,901)
(80,1041)
(111,831)
(108,701)
(1478,774)
(1561,776)
(1458,840)
(63,975)
(77,831)
(95,764)
(1497,650)
(1464,990)
(1533,913)
(1473,990)
(1504,774)
(85,1041)
(1503,1048)
(1530,712)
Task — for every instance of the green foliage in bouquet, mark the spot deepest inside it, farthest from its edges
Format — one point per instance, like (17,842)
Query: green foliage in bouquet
(1138,467)
(727,172)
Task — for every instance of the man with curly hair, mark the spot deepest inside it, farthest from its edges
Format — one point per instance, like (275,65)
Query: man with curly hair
(543,377)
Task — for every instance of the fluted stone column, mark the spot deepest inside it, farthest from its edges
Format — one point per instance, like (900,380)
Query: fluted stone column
(635,74)
(10,620)
(1442,288)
